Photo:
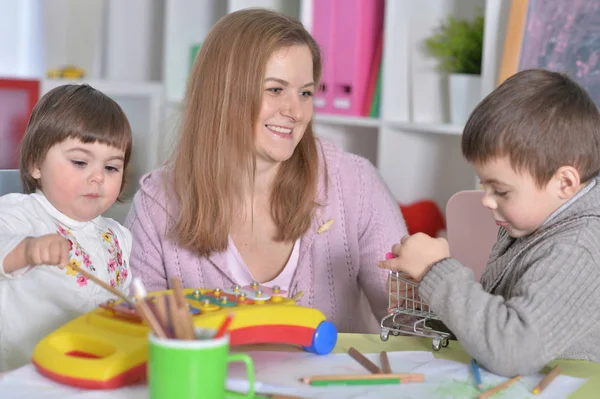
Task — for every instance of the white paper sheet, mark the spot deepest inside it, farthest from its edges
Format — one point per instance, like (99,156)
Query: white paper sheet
(280,372)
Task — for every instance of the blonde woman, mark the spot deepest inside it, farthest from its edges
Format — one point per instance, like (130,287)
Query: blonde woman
(251,195)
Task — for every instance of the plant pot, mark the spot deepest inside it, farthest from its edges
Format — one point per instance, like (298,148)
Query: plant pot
(465,94)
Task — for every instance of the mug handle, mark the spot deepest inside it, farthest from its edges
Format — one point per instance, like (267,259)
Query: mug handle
(247,360)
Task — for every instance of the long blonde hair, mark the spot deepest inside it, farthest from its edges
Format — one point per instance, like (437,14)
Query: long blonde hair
(216,151)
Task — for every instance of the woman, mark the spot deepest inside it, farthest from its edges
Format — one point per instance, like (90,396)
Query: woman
(251,195)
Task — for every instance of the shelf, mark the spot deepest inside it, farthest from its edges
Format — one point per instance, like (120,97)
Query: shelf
(111,88)
(433,128)
(347,120)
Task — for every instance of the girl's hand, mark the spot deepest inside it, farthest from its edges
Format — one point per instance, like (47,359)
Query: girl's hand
(51,249)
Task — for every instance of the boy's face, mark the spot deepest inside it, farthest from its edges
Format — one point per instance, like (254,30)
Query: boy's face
(513,197)
(81,180)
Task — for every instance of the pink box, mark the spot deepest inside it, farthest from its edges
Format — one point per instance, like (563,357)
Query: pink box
(322,31)
(357,26)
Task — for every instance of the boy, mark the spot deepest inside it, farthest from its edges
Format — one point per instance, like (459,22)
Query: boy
(535,144)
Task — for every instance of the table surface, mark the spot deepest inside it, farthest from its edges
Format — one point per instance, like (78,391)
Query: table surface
(371,343)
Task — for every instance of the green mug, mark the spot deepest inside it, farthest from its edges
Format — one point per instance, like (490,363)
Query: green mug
(193,368)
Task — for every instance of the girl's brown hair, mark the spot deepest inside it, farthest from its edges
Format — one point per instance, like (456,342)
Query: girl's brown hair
(72,111)
(216,154)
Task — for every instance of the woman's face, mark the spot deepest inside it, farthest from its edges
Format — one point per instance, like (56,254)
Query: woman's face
(287,104)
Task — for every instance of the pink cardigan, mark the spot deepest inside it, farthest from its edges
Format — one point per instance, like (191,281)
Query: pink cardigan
(333,266)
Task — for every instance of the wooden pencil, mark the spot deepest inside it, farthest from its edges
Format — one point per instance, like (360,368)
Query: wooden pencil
(101,283)
(366,363)
(186,323)
(178,291)
(498,388)
(402,377)
(160,307)
(385,363)
(144,311)
(174,317)
(548,378)
(180,320)
(142,308)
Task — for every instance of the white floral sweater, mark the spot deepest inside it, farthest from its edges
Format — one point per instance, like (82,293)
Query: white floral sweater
(37,300)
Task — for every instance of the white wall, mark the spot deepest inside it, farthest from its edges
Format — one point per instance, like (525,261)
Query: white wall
(109,39)
(21,38)
(74,33)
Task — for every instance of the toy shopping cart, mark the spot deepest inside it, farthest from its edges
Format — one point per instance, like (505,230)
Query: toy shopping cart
(408,313)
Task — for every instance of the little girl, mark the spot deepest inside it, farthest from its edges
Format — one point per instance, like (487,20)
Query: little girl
(73,159)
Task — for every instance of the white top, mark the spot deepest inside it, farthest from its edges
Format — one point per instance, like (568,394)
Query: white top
(35,301)
(242,275)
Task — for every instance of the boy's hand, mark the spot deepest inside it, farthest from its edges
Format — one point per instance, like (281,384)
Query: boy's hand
(416,254)
(51,249)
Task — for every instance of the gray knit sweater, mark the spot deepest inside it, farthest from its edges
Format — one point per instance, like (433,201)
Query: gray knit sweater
(539,297)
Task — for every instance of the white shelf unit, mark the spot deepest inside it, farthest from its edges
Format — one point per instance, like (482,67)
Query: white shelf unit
(416,150)
(412,144)
(143,103)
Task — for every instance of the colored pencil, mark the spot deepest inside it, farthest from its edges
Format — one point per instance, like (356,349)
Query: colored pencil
(477,374)
(144,310)
(174,318)
(366,363)
(160,307)
(224,326)
(362,379)
(385,363)
(383,381)
(178,292)
(548,378)
(498,388)
(182,312)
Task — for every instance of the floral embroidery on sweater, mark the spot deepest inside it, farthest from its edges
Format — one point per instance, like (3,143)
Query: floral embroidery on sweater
(116,267)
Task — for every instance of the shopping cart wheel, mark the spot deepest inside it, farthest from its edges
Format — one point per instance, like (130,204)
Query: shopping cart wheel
(445,342)
(384,335)
(435,345)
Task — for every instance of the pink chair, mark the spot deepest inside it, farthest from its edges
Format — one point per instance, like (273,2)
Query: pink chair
(471,230)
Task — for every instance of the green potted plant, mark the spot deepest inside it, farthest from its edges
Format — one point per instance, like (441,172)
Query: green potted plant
(458,46)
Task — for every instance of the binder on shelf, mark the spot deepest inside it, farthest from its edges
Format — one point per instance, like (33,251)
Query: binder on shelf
(374,110)
(357,29)
(322,31)
(374,73)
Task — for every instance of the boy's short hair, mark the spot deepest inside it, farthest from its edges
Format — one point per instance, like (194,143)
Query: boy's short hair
(72,111)
(540,120)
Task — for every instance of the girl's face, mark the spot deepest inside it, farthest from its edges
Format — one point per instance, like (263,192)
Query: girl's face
(81,180)
(287,104)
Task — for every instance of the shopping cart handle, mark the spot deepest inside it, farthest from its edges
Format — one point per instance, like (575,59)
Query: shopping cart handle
(389,255)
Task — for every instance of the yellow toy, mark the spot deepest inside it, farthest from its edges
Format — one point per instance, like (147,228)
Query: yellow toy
(108,347)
